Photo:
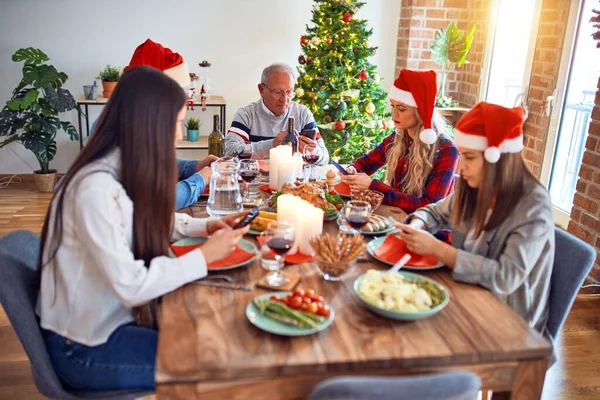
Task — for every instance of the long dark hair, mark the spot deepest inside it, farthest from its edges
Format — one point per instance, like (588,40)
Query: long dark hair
(502,187)
(139,119)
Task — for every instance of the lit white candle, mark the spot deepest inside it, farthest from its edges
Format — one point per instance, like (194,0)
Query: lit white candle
(277,154)
(312,225)
(286,171)
(288,211)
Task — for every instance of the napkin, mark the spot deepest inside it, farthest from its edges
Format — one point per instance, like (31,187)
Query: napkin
(342,188)
(238,256)
(393,248)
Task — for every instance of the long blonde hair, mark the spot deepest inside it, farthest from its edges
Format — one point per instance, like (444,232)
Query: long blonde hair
(420,158)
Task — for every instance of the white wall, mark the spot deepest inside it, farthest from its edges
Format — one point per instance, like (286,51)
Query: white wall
(239,37)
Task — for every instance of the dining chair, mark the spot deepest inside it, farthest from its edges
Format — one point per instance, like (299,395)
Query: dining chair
(19,287)
(454,385)
(573,260)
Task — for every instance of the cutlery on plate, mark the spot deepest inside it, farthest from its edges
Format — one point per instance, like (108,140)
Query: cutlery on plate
(401,263)
(224,277)
(225,285)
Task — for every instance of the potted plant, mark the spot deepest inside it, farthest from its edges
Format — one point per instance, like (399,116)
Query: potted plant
(450,48)
(193,129)
(30,116)
(109,77)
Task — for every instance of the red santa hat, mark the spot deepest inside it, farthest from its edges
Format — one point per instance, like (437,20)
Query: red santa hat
(418,89)
(155,55)
(492,129)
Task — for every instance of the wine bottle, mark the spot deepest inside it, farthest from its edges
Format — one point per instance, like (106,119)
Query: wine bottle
(216,140)
(291,137)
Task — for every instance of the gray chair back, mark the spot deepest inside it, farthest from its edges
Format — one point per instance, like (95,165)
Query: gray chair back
(19,287)
(455,385)
(573,260)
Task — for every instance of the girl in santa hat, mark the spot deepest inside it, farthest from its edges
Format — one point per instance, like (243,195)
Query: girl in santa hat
(105,241)
(420,163)
(501,217)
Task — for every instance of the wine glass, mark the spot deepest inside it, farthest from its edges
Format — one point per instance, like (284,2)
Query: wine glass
(356,214)
(246,153)
(279,237)
(310,155)
(249,171)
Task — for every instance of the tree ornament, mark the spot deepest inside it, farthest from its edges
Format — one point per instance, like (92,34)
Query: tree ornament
(340,125)
(316,8)
(315,41)
(326,107)
(370,108)
(355,50)
(328,118)
(373,53)
(342,106)
(328,40)
(376,78)
(312,96)
(302,60)
(347,17)
(367,44)
(308,59)
(299,92)
(346,135)
(363,75)
(303,40)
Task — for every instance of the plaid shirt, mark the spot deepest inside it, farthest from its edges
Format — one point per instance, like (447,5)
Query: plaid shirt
(439,183)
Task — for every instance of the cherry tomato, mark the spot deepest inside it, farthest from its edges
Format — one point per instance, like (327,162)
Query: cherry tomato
(295,302)
(286,301)
(274,298)
(270,203)
(312,308)
(310,293)
(304,306)
(319,304)
(319,298)
(323,311)
(339,206)
(299,292)
(306,300)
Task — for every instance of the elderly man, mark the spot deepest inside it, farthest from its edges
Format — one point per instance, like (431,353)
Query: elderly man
(261,125)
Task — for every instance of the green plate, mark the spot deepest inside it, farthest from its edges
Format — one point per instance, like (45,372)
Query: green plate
(389,229)
(267,324)
(254,232)
(243,243)
(405,316)
(377,242)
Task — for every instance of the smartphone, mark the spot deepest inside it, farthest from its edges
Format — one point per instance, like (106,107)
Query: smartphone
(248,218)
(340,168)
(309,133)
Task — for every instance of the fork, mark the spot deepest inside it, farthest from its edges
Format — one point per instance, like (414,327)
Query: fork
(224,277)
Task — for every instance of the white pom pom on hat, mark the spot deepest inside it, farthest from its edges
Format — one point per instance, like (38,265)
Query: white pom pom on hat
(428,136)
(492,129)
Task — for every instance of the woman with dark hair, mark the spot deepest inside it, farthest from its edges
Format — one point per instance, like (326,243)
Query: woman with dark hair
(501,217)
(106,236)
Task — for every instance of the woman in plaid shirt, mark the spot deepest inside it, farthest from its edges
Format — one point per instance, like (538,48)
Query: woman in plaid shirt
(420,170)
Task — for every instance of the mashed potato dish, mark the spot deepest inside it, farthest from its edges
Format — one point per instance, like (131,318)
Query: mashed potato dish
(391,291)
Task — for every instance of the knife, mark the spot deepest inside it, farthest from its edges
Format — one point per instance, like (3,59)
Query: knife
(225,285)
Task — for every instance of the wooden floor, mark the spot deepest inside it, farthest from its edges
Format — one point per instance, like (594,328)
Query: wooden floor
(576,376)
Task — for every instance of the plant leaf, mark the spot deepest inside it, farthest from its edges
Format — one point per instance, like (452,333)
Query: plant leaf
(451,44)
(42,75)
(23,102)
(69,128)
(30,56)
(60,100)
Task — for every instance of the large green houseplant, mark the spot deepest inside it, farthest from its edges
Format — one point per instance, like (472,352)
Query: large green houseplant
(450,48)
(30,117)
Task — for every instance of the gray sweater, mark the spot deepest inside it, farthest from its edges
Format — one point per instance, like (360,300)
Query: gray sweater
(256,126)
(514,260)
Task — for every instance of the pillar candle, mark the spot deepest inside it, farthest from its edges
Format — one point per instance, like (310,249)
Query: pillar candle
(287,211)
(312,225)
(277,154)
(298,165)
(286,171)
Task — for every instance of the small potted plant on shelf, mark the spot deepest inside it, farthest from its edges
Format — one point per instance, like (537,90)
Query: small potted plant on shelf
(109,77)
(30,116)
(193,129)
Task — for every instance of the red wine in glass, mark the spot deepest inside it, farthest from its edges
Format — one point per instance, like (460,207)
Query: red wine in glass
(310,158)
(357,221)
(280,246)
(244,156)
(248,175)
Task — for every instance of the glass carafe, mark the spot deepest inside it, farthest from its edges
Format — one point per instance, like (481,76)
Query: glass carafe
(225,197)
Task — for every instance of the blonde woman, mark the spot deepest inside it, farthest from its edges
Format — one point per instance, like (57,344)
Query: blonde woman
(420,165)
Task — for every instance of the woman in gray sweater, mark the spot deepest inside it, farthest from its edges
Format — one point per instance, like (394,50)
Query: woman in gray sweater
(500,216)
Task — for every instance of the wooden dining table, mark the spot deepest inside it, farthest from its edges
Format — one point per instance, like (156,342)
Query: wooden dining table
(208,349)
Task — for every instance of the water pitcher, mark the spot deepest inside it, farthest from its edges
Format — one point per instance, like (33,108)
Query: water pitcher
(225,197)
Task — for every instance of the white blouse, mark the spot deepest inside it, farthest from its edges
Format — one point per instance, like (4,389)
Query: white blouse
(88,290)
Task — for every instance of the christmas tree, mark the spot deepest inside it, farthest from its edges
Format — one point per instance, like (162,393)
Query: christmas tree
(337,82)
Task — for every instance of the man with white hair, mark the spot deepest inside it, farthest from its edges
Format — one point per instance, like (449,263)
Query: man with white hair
(262,125)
